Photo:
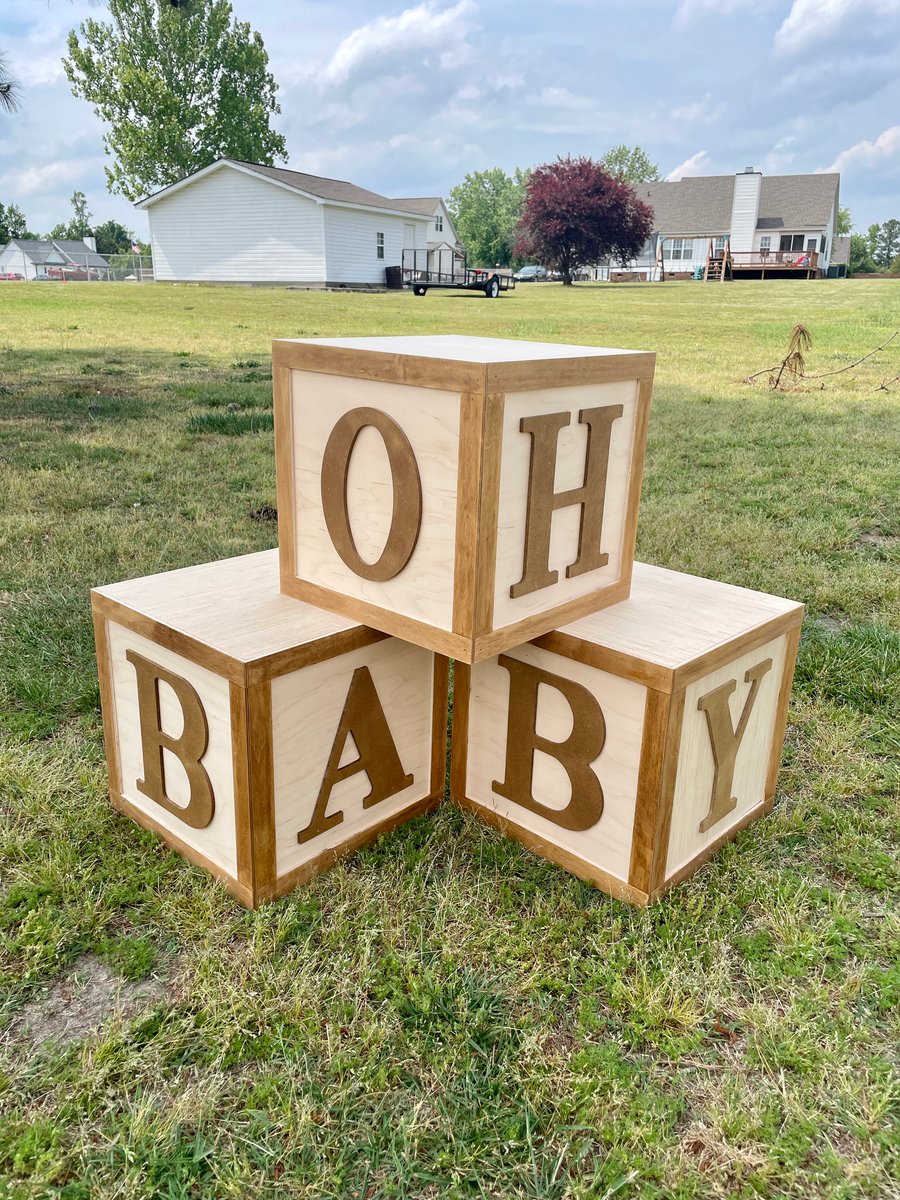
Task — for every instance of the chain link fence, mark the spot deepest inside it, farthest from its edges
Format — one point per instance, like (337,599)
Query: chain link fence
(78,268)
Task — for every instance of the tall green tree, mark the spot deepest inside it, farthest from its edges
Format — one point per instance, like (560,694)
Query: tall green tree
(630,164)
(12,224)
(80,224)
(113,238)
(178,87)
(844,221)
(485,209)
(872,234)
(861,260)
(888,243)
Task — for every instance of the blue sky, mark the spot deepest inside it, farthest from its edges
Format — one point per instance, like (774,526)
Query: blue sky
(405,98)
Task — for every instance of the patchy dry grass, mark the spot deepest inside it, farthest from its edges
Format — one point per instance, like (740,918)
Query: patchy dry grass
(445,1015)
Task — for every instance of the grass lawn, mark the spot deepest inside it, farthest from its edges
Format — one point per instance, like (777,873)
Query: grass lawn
(445,1015)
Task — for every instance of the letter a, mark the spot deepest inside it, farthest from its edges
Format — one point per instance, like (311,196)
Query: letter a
(188,749)
(575,754)
(363,719)
(726,740)
(543,501)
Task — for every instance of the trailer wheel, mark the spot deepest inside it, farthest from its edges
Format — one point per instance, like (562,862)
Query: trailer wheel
(419,291)
(492,288)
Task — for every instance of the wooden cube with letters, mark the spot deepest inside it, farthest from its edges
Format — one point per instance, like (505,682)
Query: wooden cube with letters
(463,493)
(629,745)
(258,736)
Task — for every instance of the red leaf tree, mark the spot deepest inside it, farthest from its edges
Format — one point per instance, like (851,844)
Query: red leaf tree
(575,214)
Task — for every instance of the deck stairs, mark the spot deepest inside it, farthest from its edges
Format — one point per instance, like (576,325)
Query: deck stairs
(718,264)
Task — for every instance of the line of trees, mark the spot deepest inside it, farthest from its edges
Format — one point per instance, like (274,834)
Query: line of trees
(499,216)
(111,236)
(878,249)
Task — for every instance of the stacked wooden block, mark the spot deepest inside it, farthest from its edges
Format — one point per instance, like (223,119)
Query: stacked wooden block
(447,497)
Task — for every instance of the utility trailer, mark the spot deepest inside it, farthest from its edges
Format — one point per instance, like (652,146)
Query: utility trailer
(424,269)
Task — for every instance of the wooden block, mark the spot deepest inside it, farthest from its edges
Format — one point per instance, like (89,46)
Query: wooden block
(463,493)
(629,745)
(258,736)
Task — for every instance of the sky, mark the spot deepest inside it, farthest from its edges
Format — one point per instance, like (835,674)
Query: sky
(406,98)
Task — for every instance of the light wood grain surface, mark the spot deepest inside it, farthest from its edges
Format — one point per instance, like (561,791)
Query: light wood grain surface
(694,780)
(423,590)
(217,842)
(606,846)
(306,712)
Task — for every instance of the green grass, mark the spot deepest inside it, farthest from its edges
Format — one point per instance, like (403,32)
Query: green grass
(445,1015)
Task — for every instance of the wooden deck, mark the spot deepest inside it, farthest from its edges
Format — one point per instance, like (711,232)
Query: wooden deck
(758,264)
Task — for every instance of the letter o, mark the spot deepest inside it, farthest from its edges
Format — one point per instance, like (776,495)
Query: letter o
(406,518)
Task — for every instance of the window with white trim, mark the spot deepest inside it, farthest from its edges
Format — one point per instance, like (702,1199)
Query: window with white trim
(719,244)
(765,242)
(439,222)
(379,245)
(682,249)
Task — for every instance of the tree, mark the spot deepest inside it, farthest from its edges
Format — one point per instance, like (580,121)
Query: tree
(178,86)
(485,209)
(872,234)
(12,224)
(576,214)
(861,261)
(888,243)
(630,165)
(844,221)
(113,238)
(9,93)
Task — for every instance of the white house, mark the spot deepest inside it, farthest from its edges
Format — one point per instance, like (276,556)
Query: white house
(237,222)
(443,245)
(56,258)
(770,223)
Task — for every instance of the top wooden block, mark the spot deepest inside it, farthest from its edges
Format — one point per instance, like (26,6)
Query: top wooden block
(466,494)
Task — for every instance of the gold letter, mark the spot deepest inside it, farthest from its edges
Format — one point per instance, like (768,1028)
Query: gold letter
(406,517)
(575,754)
(188,749)
(363,719)
(725,740)
(543,501)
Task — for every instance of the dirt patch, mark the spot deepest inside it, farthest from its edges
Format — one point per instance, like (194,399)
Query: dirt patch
(875,537)
(834,622)
(78,1005)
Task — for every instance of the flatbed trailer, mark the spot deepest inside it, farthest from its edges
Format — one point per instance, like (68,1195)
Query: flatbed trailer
(444,269)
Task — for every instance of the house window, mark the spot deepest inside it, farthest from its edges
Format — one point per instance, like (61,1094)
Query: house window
(812,244)
(791,241)
(765,242)
(439,222)
(682,248)
(379,245)
(720,244)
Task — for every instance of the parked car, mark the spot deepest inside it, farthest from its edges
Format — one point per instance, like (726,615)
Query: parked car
(530,274)
(11,275)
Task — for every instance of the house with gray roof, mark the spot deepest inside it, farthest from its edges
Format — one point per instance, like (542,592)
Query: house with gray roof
(446,252)
(239,222)
(772,225)
(55,258)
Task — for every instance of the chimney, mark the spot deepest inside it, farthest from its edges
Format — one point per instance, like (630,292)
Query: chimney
(745,209)
(91,243)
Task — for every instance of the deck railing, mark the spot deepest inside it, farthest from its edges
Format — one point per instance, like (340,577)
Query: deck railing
(780,260)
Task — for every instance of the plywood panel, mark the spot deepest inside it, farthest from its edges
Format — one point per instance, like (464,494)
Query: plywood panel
(430,420)
(570,466)
(233,606)
(217,842)
(607,845)
(306,713)
(672,619)
(696,765)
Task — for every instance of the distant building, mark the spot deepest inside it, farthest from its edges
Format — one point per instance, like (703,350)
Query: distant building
(775,225)
(237,222)
(443,246)
(56,258)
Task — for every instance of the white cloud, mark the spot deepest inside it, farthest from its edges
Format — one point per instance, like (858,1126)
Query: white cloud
(870,154)
(41,178)
(780,156)
(695,165)
(688,10)
(415,31)
(704,111)
(811,21)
